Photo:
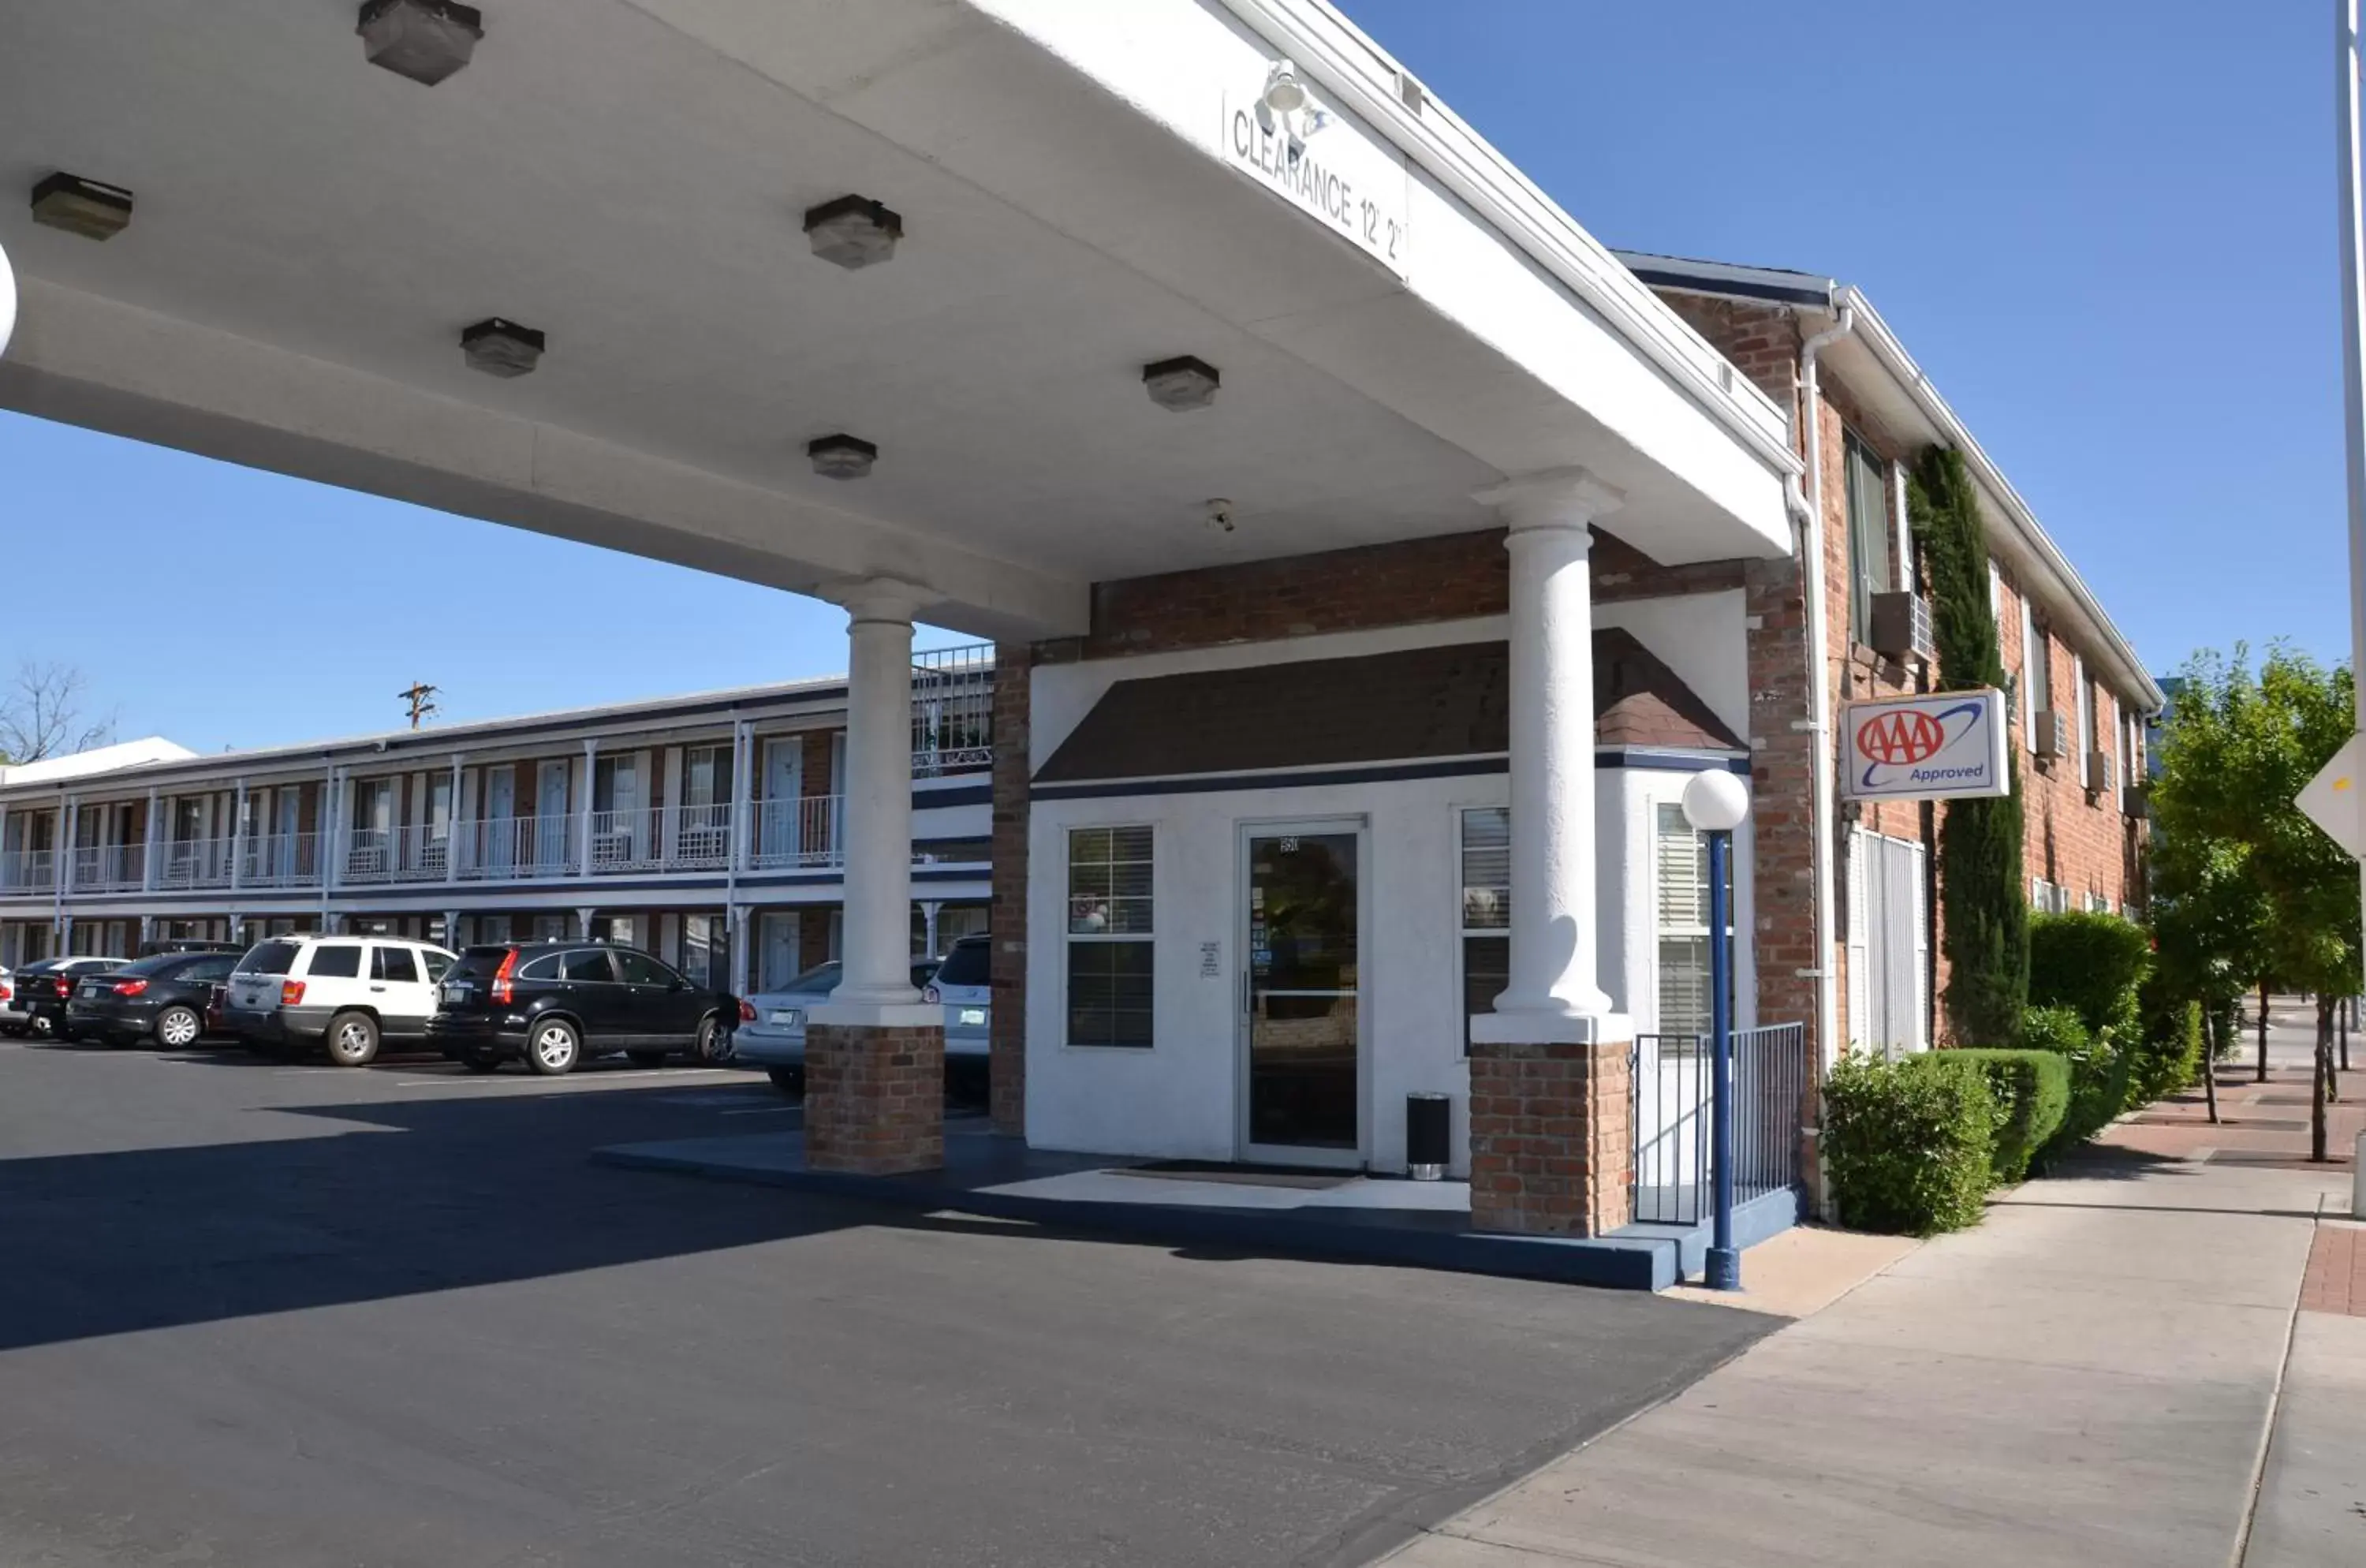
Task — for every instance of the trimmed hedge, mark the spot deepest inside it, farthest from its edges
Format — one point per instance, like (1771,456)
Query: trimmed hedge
(2099,1073)
(2169,1051)
(2091,964)
(2033,1092)
(1908,1143)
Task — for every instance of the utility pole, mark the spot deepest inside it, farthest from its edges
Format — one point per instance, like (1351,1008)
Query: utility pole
(2353,352)
(418,695)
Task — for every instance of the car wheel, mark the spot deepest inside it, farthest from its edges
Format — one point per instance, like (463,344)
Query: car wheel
(177,1028)
(553,1048)
(713,1045)
(477,1059)
(352,1039)
(790,1081)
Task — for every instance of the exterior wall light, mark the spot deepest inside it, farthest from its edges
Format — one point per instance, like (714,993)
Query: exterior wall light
(500,348)
(1284,92)
(854,231)
(1181,383)
(841,456)
(82,206)
(423,39)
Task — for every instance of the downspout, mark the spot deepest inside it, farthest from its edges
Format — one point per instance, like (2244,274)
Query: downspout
(1820,694)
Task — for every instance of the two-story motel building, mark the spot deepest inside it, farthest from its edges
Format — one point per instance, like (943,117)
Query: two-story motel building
(1371,555)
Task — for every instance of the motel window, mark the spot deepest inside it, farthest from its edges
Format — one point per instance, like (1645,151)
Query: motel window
(1486,855)
(1111,951)
(2082,712)
(1868,525)
(2037,668)
(1681,852)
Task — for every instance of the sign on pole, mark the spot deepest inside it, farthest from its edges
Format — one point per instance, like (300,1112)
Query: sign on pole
(2331,799)
(1941,746)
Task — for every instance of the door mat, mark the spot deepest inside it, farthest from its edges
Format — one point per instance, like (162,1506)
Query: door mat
(1241,1175)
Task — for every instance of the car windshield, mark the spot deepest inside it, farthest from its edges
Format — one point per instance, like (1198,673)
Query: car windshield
(966,964)
(269,958)
(820,977)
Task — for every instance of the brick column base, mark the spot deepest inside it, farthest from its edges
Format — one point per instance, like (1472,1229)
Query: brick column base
(1552,1149)
(875,1097)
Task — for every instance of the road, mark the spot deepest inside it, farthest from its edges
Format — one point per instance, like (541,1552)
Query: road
(265,1315)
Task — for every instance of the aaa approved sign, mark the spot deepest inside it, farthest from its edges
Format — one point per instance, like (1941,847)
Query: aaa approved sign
(1946,746)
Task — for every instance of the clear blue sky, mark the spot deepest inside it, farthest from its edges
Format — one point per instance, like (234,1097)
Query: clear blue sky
(2106,230)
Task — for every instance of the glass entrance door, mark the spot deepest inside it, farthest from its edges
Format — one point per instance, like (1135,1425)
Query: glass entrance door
(1302,1031)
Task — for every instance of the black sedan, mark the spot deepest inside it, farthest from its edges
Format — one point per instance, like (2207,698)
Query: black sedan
(38,1005)
(162,998)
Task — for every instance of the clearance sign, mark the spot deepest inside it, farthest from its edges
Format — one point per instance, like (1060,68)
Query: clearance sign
(1948,745)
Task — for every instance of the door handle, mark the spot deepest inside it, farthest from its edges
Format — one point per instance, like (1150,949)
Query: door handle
(377,987)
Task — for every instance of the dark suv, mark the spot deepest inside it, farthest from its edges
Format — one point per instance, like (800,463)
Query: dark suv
(553,1004)
(162,998)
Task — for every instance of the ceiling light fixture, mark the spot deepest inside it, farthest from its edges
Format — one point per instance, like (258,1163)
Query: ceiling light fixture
(423,39)
(500,347)
(1220,515)
(82,206)
(841,456)
(1181,383)
(854,231)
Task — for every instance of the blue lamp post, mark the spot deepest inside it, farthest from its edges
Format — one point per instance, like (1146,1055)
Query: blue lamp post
(1715,804)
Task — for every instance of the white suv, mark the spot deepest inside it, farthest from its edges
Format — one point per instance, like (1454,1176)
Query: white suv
(349,992)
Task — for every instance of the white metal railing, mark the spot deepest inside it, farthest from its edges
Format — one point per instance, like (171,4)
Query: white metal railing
(511,848)
(281,860)
(29,871)
(953,709)
(108,868)
(799,832)
(661,837)
(193,862)
(415,853)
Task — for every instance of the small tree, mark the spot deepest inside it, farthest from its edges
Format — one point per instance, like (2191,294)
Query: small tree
(1981,890)
(42,714)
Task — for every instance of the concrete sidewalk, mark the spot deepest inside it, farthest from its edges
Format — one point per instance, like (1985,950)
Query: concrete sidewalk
(2087,1378)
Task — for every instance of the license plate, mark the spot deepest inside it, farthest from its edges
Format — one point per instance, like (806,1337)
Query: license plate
(974,1016)
(88,988)
(784,1017)
(458,993)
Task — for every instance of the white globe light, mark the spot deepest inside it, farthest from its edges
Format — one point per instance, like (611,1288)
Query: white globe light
(7,301)
(1716,801)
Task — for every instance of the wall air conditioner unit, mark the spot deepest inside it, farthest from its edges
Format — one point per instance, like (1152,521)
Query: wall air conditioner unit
(2052,736)
(2103,773)
(2136,797)
(1901,625)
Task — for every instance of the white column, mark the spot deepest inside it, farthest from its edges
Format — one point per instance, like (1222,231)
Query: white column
(583,814)
(1554,994)
(148,841)
(238,836)
(877,931)
(583,916)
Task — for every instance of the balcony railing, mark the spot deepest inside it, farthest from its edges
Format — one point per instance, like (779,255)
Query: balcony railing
(421,853)
(511,848)
(661,837)
(1669,1089)
(108,868)
(29,871)
(798,832)
(282,860)
(953,710)
(193,862)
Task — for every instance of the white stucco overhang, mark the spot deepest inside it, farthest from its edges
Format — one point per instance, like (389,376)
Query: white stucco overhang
(1871,362)
(311,234)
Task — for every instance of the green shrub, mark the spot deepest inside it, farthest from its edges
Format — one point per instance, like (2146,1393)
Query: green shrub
(1906,1143)
(2089,963)
(2169,1049)
(2033,1094)
(2099,1073)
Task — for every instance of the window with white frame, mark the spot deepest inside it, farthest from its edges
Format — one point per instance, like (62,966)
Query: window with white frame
(1868,524)
(1112,954)
(2041,895)
(2036,674)
(1485,850)
(1681,854)
(2082,712)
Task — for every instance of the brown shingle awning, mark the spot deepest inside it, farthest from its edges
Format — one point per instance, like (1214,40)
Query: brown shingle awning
(1383,707)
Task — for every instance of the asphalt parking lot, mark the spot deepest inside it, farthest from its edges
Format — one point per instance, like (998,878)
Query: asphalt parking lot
(267,1314)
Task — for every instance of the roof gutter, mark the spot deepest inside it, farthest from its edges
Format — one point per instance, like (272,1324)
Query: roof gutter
(1893,358)
(1361,77)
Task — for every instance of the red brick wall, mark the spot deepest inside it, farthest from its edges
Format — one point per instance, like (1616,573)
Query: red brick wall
(2074,839)
(1551,1144)
(874,1099)
(1006,1049)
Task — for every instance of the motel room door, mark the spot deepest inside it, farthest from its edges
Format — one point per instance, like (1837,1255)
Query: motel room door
(1301,1037)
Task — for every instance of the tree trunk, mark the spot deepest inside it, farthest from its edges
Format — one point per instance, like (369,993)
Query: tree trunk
(2263,1031)
(2213,1040)
(2320,1078)
(2347,1003)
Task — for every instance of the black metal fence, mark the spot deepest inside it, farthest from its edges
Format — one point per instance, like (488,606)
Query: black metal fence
(1668,1102)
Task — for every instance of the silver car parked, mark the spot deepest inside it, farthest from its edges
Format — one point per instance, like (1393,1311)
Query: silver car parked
(774,1039)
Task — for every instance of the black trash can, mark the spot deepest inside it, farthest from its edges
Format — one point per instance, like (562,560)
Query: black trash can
(1429,1135)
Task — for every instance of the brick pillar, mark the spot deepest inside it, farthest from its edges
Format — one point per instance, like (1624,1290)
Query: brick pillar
(875,1097)
(1007,1048)
(1552,1146)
